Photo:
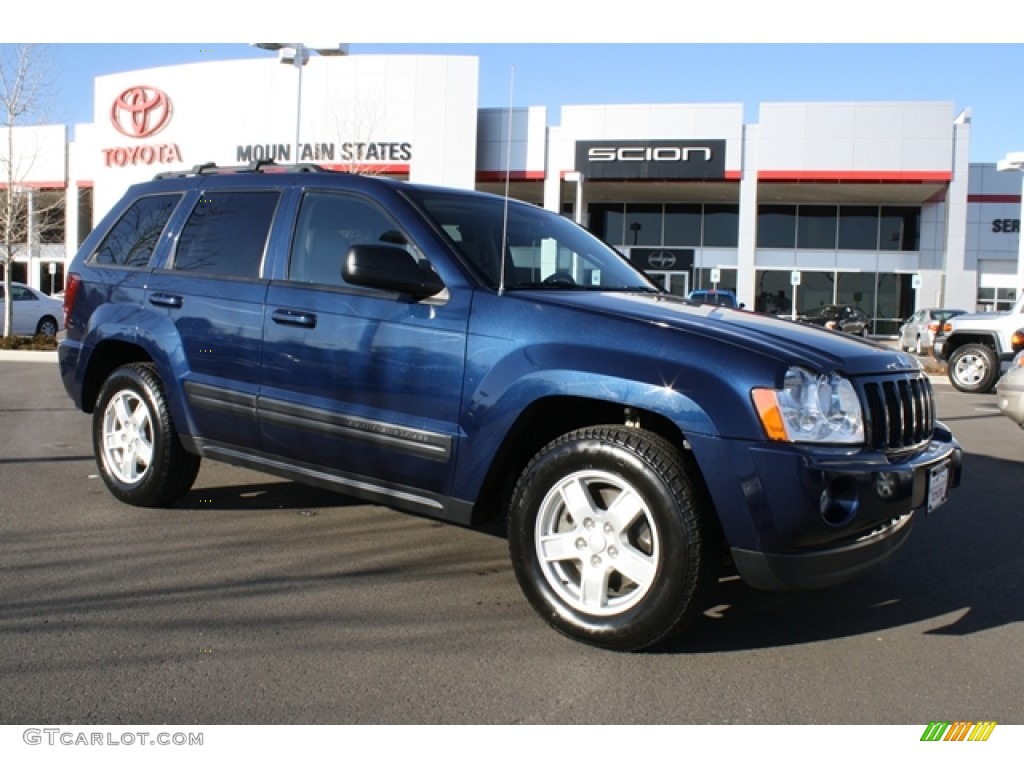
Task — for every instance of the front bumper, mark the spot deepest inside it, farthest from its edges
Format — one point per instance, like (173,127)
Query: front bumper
(805,518)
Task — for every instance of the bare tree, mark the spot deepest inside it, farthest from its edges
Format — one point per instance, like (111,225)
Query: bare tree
(24,86)
(352,131)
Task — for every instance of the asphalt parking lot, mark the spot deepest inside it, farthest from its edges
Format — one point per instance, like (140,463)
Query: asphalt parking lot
(255,600)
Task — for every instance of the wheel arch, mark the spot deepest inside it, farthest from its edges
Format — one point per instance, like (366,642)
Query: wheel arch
(105,358)
(546,419)
(960,339)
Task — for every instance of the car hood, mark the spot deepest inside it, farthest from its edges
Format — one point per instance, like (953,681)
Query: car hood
(789,342)
(973,316)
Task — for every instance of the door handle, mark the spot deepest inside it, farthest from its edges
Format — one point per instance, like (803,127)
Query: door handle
(165,300)
(294,317)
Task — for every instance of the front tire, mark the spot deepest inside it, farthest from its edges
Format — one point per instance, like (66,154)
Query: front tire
(139,455)
(973,368)
(611,539)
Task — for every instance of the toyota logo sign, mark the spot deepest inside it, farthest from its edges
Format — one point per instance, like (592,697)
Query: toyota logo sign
(140,111)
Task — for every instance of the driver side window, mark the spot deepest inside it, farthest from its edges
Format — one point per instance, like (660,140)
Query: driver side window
(329,224)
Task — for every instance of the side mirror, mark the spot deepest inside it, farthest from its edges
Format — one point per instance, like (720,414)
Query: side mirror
(390,268)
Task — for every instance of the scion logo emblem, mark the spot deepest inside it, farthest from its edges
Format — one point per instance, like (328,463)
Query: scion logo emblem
(662,260)
(140,111)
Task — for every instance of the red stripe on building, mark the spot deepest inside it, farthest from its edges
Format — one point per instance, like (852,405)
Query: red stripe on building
(512,176)
(39,184)
(886,177)
(993,199)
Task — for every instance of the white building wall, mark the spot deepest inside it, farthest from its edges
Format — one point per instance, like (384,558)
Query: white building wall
(852,137)
(961,289)
(746,243)
(512,139)
(993,215)
(422,109)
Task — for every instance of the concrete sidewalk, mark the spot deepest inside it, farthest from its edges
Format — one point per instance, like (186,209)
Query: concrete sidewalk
(48,356)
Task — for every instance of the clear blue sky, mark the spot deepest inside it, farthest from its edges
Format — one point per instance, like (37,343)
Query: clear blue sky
(984,77)
(669,54)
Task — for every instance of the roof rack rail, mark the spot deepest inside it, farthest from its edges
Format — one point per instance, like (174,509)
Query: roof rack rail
(256,166)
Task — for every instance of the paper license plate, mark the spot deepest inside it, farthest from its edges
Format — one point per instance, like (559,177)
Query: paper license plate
(938,486)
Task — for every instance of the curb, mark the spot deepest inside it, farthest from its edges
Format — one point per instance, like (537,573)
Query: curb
(17,355)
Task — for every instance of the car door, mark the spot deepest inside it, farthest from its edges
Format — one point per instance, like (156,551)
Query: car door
(213,292)
(361,384)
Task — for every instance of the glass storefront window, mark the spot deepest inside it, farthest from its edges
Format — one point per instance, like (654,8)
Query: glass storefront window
(886,297)
(721,225)
(682,224)
(774,294)
(996,299)
(848,227)
(857,289)
(643,224)
(858,227)
(816,227)
(776,226)
(726,282)
(607,221)
(899,229)
(816,289)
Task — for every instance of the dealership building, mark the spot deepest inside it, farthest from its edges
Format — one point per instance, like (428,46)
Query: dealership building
(801,204)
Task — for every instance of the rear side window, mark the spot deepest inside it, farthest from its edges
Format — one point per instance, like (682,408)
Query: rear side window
(131,241)
(227,233)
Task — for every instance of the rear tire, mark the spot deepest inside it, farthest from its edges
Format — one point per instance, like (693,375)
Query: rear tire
(973,368)
(47,326)
(139,455)
(610,539)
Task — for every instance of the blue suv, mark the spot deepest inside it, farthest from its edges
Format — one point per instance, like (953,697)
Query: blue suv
(483,361)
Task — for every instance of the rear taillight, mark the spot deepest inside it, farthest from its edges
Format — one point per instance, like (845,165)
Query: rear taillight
(70,292)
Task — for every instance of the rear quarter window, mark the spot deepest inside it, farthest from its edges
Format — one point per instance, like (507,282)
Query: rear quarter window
(132,240)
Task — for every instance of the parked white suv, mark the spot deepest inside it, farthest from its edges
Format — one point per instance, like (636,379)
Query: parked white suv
(978,347)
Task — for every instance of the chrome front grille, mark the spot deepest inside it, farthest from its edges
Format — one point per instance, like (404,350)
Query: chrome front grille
(900,412)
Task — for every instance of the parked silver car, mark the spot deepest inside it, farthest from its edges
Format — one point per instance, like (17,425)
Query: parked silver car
(35,313)
(917,334)
(1010,391)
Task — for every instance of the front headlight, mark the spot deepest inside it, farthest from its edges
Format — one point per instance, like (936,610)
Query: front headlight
(811,408)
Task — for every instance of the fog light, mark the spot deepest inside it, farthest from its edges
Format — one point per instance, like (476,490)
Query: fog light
(839,502)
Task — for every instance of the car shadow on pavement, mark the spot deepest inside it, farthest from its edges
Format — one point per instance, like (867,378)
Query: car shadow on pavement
(266,495)
(959,573)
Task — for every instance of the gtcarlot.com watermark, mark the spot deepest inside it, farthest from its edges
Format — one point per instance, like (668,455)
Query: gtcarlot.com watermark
(72,738)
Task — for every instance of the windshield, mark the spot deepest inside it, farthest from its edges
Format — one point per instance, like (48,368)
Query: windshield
(541,249)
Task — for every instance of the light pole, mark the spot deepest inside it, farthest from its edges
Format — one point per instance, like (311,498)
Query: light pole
(1014,161)
(297,54)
